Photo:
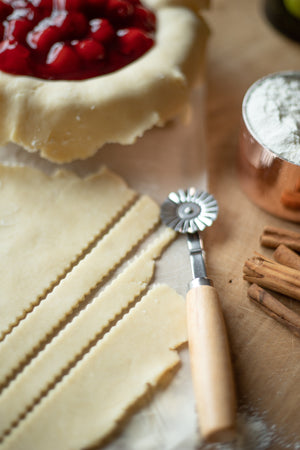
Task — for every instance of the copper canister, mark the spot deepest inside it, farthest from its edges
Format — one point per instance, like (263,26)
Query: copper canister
(270,181)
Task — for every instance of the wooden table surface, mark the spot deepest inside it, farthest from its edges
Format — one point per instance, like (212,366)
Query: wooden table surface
(266,357)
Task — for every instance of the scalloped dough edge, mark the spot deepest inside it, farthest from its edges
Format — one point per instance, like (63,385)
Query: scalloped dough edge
(117,371)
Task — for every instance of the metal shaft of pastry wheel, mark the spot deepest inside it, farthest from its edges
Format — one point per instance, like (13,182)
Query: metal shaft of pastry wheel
(191,211)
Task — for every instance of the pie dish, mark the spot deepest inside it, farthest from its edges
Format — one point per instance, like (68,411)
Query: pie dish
(68,119)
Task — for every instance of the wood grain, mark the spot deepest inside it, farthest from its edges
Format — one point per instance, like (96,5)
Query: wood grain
(243,48)
(211,365)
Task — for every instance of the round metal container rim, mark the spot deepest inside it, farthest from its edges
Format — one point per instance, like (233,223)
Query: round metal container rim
(287,74)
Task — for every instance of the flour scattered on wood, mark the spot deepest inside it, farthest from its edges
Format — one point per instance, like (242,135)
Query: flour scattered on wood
(254,434)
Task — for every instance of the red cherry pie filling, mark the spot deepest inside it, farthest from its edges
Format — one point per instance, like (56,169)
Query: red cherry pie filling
(72,39)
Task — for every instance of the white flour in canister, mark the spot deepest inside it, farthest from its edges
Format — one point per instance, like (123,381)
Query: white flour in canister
(271,110)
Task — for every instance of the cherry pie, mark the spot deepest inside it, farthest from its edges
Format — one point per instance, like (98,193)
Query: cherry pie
(76,74)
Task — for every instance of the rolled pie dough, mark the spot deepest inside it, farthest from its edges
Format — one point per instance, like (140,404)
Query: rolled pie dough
(72,392)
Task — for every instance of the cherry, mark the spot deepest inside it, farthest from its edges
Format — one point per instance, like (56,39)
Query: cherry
(90,50)
(62,59)
(68,5)
(119,9)
(43,36)
(74,25)
(133,42)
(101,30)
(17,29)
(5,10)
(14,57)
(42,40)
(144,18)
(72,39)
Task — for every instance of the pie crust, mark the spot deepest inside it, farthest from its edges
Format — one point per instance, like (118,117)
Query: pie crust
(68,120)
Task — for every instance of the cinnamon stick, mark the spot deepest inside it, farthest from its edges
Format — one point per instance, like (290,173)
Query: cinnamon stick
(275,309)
(286,256)
(272,237)
(290,199)
(270,274)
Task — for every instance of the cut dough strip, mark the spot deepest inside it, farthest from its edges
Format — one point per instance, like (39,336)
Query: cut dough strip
(77,335)
(46,222)
(85,406)
(90,271)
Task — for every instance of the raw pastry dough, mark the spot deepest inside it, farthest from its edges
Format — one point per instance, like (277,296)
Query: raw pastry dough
(103,375)
(85,406)
(45,223)
(90,271)
(77,335)
(67,120)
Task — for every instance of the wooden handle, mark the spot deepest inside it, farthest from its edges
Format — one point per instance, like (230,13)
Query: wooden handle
(211,365)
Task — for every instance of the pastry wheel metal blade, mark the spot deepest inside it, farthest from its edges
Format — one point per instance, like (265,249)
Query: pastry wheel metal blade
(190,211)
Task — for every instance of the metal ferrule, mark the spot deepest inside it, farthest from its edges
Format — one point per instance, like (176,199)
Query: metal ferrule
(202,281)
